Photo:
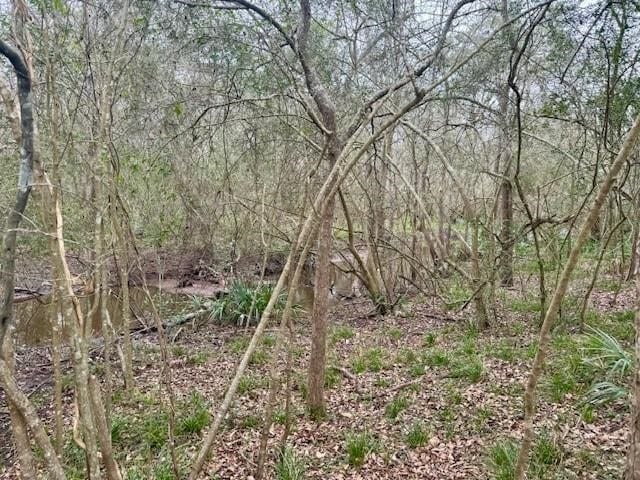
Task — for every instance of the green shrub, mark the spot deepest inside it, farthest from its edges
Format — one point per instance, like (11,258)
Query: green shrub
(604,354)
(244,303)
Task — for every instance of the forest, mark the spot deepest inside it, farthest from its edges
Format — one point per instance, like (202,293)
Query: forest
(328,239)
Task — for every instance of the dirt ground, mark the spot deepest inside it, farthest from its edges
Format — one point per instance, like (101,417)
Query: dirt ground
(421,370)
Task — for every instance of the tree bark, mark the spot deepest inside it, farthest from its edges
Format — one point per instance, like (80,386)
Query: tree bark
(632,471)
(317,359)
(19,406)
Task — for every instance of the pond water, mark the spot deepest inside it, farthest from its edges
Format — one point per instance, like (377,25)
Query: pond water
(34,317)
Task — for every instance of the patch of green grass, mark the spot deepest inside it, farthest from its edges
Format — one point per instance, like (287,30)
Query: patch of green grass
(559,384)
(502,458)
(251,421)
(429,340)
(587,414)
(199,358)
(524,305)
(119,426)
(416,370)
(504,351)
(436,358)
(470,368)
(609,285)
(358,446)
(394,333)
(290,465)
(280,417)
(396,406)
(468,346)
(341,332)
(517,328)
(456,294)
(164,471)
(369,360)
(268,340)
(179,351)
(155,428)
(482,416)
(239,344)
(448,417)
(74,461)
(259,357)
(546,456)
(382,382)
(247,384)
(406,356)
(245,302)
(417,436)
(195,415)
(331,377)
(454,397)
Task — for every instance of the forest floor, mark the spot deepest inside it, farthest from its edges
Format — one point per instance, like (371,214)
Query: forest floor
(416,395)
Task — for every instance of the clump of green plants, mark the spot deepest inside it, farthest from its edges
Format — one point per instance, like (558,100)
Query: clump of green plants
(259,357)
(154,430)
(331,377)
(290,465)
(195,415)
(397,405)
(239,344)
(604,354)
(119,426)
(358,445)
(469,368)
(561,383)
(416,369)
(436,358)
(502,459)
(341,332)
(247,383)
(429,339)
(268,340)
(244,303)
(525,305)
(504,351)
(251,421)
(199,358)
(546,456)
(417,436)
(406,356)
(370,360)
(456,294)
(394,333)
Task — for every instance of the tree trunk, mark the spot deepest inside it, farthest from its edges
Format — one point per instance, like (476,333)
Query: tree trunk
(317,360)
(23,414)
(632,471)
